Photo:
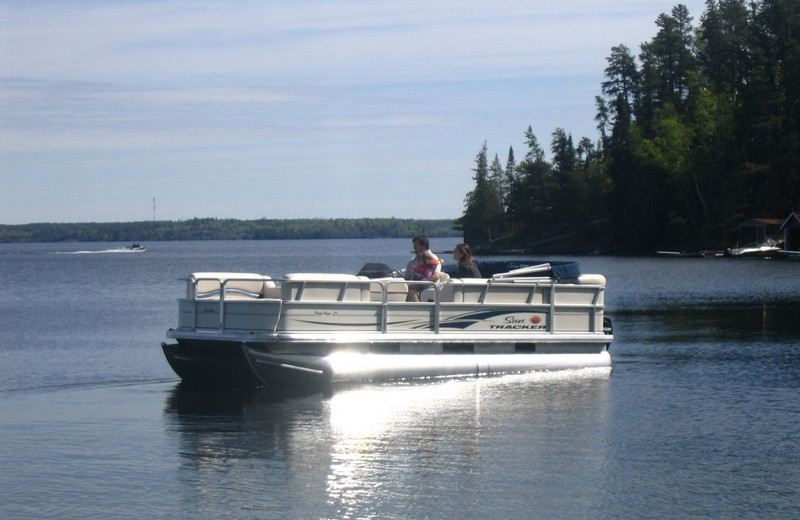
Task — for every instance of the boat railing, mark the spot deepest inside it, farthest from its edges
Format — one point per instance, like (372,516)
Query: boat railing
(218,291)
(223,287)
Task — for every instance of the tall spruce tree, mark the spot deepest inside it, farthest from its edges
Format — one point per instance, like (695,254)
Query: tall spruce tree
(483,220)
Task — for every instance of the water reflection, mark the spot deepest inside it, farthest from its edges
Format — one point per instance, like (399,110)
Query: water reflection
(400,449)
(741,321)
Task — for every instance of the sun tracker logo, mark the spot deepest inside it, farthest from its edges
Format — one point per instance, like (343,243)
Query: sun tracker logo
(516,323)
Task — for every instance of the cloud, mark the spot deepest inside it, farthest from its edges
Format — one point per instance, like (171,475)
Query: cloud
(158,42)
(332,93)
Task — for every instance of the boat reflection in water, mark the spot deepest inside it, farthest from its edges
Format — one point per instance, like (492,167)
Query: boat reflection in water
(362,450)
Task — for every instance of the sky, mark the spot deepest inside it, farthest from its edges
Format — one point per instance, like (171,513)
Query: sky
(130,110)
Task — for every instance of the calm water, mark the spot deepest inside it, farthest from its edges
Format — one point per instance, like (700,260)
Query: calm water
(699,419)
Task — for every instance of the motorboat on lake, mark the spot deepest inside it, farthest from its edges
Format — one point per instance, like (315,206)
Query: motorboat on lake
(768,248)
(137,247)
(247,329)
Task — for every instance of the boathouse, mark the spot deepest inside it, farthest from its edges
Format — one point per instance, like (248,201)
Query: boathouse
(791,232)
(760,231)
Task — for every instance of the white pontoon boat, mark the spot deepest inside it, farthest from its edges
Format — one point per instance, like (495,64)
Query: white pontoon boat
(246,329)
(768,248)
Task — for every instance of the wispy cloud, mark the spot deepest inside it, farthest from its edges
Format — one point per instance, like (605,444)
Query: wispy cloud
(155,90)
(155,42)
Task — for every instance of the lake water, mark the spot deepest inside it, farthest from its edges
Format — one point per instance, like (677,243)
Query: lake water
(700,417)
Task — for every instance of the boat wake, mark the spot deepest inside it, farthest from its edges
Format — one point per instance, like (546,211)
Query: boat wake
(87,385)
(101,252)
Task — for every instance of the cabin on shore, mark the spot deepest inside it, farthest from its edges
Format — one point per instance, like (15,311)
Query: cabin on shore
(791,232)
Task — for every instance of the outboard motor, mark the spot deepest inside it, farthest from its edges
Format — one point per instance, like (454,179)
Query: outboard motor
(377,270)
(608,327)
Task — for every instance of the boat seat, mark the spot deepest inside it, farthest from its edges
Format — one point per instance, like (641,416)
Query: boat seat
(238,286)
(446,290)
(592,279)
(479,290)
(588,290)
(325,287)
(396,289)
(469,290)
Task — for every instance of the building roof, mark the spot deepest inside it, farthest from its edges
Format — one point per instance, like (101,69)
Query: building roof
(763,222)
(793,220)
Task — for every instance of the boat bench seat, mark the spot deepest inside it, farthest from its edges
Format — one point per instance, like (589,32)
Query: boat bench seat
(325,287)
(238,286)
(465,290)
(475,290)
(447,292)
(396,289)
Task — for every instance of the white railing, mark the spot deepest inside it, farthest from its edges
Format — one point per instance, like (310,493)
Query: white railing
(540,295)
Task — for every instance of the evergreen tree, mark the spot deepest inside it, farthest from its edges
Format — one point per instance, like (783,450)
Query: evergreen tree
(509,179)
(698,133)
(564,154)
(585,151)
(533,204)
(724,47)
(603,119)
(773,105)
(482,221)
(535,152)
(669,59)
(568,182)
(497,175)
(622,77)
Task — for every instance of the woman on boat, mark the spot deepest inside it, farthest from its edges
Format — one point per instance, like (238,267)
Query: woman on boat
(467,268)
(424,266)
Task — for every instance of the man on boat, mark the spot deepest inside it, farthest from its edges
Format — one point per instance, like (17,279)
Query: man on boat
(424,266)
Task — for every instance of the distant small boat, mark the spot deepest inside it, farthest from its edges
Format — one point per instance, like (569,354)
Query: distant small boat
(136,247)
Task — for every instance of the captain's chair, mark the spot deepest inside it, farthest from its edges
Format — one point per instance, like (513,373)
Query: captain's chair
(429,293)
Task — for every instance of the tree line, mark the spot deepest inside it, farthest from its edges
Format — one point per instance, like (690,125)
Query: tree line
(227,229)
(698,132)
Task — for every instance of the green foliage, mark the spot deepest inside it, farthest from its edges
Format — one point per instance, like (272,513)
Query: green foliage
(483,216)
(698,133)
(227,229)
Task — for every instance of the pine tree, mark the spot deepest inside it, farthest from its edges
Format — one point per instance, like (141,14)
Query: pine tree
(482,221)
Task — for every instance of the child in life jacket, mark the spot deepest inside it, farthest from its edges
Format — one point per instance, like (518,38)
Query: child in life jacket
(424,266)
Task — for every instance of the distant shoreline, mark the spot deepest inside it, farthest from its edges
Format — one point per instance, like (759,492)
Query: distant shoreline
(227,229)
